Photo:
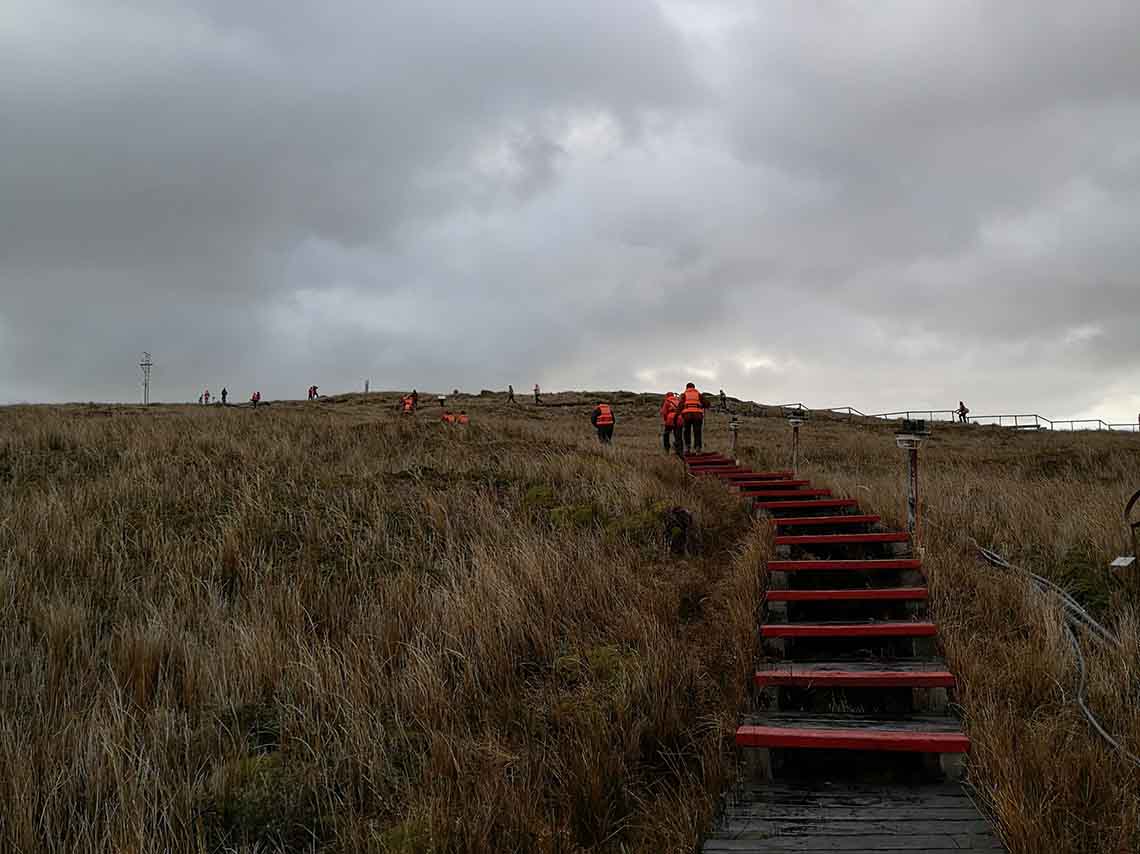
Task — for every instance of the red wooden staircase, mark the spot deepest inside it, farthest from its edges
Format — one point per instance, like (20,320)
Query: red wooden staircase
(851,689)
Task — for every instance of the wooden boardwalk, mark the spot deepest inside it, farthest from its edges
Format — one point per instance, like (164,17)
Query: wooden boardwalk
(850,744)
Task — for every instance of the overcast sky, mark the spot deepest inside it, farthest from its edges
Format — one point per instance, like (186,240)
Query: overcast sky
(881,204)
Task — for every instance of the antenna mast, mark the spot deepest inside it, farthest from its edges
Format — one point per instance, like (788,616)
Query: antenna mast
(146,365)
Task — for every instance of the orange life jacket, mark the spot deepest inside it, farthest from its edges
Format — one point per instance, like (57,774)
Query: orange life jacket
(462,419)
(691,402)
(408,404)
(605,415)
(448,418)
(669,409)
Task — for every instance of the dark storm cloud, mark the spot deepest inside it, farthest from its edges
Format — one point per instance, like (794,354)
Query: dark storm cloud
(889,205)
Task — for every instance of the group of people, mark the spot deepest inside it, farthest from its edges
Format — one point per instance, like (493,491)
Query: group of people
(204,397)
(313,392)
(682,417)
(461,419)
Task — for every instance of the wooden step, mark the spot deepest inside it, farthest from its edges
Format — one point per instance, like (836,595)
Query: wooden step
(801,817)
(912,734)
(859,594)
(790,494)
(849,630)
(841,539)
(755,475)
(828,504)
(839,674)
(842,565)
(826,521)
(769,484)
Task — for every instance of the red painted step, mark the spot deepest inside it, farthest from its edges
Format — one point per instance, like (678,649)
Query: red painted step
(835,676)
(755,475)
(837,738)
(823,521)
(795,493)
(841,539)
(848,630)
(853,565)
(858,594)
(830,504)
(769,484)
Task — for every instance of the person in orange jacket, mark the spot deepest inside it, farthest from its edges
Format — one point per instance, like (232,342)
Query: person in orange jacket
(407,405)
(693,406)
(462,419)
(668,418)
(603,420)
(447,418)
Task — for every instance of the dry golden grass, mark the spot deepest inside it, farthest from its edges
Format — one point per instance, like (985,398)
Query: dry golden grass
(319,627)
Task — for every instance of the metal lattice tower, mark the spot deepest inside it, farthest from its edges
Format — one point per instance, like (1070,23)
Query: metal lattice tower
(146,364)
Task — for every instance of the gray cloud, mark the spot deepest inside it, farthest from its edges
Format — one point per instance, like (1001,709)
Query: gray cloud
(888,206)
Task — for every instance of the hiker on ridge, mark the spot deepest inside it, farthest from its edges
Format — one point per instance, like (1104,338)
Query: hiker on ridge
(963,412)
(510,393)
(603,420)
(693,406)
(225,394)
(537,400)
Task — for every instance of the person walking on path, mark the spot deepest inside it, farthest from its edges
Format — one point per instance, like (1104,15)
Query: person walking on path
(693,406)
(537,399)
(962,413)
(510,393)
(723,400)
(603,420)
(668,418)
(225,394)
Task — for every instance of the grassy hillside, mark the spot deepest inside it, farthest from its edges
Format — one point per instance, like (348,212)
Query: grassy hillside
(320,627)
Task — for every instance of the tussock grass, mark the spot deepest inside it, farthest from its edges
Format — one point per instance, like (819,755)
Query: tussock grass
(320,627)
(323,628)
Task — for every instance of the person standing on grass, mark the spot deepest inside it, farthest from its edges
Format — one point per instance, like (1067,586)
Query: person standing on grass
(678,428)
(668,418)
(206,397)
(537,400)
(225,394)
(462,418)
(723,400)
(603,420)
(510,393)
(963,412)
(693,406)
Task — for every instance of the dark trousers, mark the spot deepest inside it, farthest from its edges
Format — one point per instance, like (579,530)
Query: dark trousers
(693,428)
(666,432)
(606,433)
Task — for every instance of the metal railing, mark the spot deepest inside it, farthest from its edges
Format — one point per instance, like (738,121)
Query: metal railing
(1022,421)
